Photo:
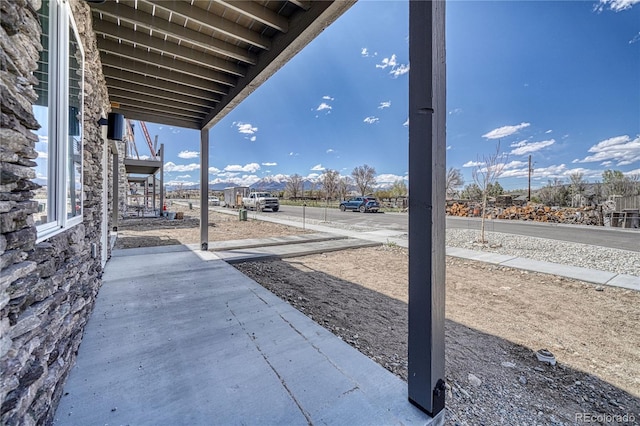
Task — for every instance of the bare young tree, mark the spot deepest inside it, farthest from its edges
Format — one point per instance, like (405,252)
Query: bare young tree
(364,177)
(488,170)
(294,186)
(454,181)
(343,187)
(577,185)
(329,181)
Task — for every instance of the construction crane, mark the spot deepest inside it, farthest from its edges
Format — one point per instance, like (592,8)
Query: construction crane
(148,139)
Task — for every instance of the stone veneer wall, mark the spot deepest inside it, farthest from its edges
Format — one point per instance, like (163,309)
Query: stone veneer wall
(47,290)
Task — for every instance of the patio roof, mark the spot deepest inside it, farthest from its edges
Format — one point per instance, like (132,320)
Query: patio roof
(189,63)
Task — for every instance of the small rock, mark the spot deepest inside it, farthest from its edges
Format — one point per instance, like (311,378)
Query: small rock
(544,355)
(474,380)
(599,288)
(508,364)
(522,380)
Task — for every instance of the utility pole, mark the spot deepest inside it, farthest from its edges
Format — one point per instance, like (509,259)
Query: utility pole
(530,173)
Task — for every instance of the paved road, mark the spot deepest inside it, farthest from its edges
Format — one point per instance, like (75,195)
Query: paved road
(626,239)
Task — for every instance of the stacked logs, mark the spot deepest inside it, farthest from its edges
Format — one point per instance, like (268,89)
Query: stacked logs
(538,213)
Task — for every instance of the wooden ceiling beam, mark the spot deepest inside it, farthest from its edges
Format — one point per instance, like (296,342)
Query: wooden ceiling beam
(214,22)
(258,13)
(108,30)
(151,58)
(137,17)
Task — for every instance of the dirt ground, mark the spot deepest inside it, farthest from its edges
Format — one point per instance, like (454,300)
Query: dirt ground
(496,318)
(143,232)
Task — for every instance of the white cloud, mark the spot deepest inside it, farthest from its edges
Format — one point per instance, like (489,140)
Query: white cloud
(448,147)
(327,98)
(227,175)
(515,164)
(632,172)
(620,149)
(293,154)
(406,123)
(249,168)
(183,176)
(635,38)
(188,154)
(42,155)
(615,5)
(43,139)
(392,63)
(317,168)
(323,106)
(388,62)
(384,105)
(170,166)
(549,131)
(504,131)
(213,170)
(143,157)
(400,70)
(173,130)
(528,148)
(472,164)
(330,151)
(387,179)
(604,163)
(244,180)
(455,111)
(269,164)
(364,52)
(246,129)
(559,171)
(180,183)
(312,177)
(371,120)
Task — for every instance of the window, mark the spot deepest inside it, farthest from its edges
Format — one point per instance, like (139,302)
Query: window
(59,110)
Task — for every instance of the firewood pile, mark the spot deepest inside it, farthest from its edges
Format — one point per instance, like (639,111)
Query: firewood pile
(538,213)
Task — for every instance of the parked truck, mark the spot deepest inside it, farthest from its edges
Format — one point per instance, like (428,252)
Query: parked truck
(260,201)
(234,195)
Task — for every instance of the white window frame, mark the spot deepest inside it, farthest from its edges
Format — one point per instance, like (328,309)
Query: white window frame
(62,27)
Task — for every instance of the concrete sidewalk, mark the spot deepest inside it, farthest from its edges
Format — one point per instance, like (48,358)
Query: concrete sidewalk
(593,276)
(180,337)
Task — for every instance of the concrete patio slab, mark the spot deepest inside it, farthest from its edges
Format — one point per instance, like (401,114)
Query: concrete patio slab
(176,339)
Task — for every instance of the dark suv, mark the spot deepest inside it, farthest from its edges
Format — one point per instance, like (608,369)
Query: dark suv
(361,204)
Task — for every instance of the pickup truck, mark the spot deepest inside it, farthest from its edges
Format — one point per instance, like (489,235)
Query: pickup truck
(260,201)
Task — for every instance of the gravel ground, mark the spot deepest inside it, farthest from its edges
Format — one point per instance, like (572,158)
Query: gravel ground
(574,254)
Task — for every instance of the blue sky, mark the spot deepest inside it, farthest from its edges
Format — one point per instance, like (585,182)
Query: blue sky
(557,80)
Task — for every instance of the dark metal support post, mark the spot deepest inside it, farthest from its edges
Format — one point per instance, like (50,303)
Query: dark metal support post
(427,164)
(204,189)
(116,191)
(162,180)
